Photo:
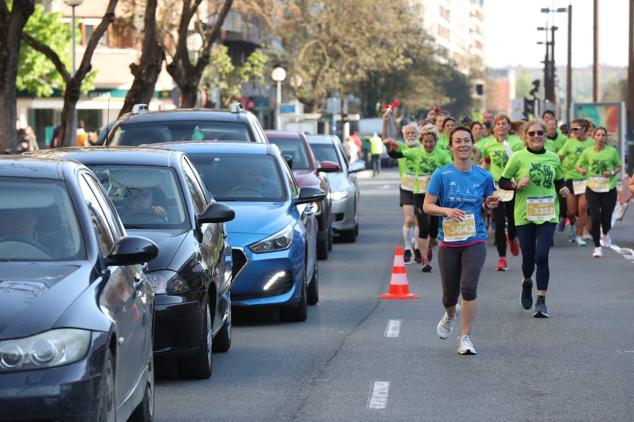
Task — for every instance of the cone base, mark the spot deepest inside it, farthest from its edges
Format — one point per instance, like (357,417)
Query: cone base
(394,296)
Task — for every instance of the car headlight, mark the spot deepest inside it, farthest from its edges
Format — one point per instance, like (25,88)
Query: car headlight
(167,281)
(45,350)
(339,195)
(276,242)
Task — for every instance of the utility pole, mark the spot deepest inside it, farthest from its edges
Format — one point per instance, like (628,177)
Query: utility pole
(630,94)
(569,68)
(595,66)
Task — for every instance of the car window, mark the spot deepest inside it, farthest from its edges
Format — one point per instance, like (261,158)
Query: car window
(145,197)
(325,152)
(195,186)
(290,179)
(241,177)
(105,237)
(296,149)
(112,218)
(39,222)
(255,123)
(155,132)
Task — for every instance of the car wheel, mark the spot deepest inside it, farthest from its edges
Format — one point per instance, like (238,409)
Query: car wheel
(322,247)
(313,288)
(201,365)
(107,405)
(356,229)
(299,312)
(222,341)
(347,236)
(145,410)
(330,238)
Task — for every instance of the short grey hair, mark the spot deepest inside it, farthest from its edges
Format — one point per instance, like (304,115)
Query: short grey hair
(414,125)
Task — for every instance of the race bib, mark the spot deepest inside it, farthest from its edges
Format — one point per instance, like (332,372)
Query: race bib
(454,231)
(504,195)
(540,208)
(599,184)
(407,182)
(422,182)
(578,187)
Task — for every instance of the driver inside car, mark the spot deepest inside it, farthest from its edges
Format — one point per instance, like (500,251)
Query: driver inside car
(256,178)
(19,226)
(141,201)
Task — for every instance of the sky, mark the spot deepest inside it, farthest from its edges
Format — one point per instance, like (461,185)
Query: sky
(511,33)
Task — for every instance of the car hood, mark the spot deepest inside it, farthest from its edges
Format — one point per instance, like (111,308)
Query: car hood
(34,295)
(168,243)
(338,181)
(257,218)
(306,178)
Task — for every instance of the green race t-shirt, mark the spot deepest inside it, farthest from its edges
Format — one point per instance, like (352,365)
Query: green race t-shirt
(571,151)
(559,141)
(538,202)
(549,145)
(496,152)
(425,163)
(406,168)
(443,142)
(596,162)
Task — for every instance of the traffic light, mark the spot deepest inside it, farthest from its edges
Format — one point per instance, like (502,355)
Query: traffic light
(529,108)
(533,92)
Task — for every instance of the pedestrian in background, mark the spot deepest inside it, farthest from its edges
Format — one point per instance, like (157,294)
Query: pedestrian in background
(376,147)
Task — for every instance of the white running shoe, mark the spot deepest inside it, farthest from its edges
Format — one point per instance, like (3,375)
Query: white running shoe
(445,325)
(586,235)
(597,253)
(579,241)
(465,346)
(606,240)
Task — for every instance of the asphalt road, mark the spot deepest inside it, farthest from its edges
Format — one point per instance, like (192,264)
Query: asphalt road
(340,365)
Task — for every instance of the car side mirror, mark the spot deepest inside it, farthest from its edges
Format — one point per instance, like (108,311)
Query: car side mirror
(289,160)
(308,195)
(357,166)
(216,213)
(132,250)
(329,167)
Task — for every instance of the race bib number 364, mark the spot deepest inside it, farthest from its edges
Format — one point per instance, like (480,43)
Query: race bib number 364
(540,208)
(454,231)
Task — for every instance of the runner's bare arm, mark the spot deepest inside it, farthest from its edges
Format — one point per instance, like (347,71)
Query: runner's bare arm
(430,207)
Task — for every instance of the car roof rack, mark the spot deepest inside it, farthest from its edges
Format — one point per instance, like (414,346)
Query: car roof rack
(237,107)
(139,108)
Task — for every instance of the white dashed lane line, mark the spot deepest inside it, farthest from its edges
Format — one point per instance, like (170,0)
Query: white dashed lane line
(393,328)
(626,253)
(378,395)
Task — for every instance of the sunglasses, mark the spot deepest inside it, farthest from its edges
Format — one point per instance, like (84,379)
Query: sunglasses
(532,133)
(574,129)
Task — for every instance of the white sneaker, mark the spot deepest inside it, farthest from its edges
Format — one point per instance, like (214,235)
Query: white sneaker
(465,347)
(597,253)
(445,325)
(586,235)
(579,241)
(606,240)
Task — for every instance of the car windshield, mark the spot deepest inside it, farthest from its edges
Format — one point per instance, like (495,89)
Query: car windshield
(296,149)
(155,132)
(38,221)
(146,197)
(240,177)
(325,152)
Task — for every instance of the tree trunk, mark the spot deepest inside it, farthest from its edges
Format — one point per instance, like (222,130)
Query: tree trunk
(145,73)
(189,92)
(13,24)
(71,97)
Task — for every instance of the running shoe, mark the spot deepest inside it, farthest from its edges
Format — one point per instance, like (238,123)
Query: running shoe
(606,240)
(586,235)
(562,225)
(514,245)
(573,233)
(540,308)
(445,325)
(427,268)
(417,257)
(619,211)
(465,346)
(597,252)
(526,297)
(407,256)
(579,241)
(501,265)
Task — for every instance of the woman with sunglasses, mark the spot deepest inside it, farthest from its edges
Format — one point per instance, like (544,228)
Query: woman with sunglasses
(601,164)
(569,154)
(539,179)
(457,192)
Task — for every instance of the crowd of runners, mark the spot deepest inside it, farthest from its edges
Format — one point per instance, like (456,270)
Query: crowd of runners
(523,180)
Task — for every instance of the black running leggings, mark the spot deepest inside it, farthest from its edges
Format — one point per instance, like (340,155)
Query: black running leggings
(601,205)
(422,219)
(535,241)
(460,269)
(502,214)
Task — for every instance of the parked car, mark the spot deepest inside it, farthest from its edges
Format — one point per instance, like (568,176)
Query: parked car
(309,173)
(76,310)
(343,185)
(142,127)
(159,195)
(274,233)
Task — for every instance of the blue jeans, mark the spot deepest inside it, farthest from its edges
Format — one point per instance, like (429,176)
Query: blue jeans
(535,241)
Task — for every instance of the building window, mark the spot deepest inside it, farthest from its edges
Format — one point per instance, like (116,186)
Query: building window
(87,31)
(443,32)
(445,13)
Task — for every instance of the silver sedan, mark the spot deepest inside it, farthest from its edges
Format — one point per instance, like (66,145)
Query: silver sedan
(343,184)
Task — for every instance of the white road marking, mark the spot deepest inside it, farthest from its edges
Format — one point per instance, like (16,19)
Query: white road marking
(378,395)
(624,351)
(626,253)
(393,328)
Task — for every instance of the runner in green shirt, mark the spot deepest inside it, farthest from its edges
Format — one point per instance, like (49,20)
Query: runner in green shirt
(539,179)
(555,140)
(569,154)
(601,163)
(448,124)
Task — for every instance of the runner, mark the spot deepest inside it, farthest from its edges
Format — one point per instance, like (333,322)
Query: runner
(539,179)
(426,160)
(462,189)
(497,154)
(555,140)
(569,154)
(601,164)
(448,124)
(407,171)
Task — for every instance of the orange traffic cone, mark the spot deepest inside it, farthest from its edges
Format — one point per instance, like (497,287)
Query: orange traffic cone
(399,287)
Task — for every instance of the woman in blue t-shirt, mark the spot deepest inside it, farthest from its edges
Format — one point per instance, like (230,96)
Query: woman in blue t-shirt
(461,190)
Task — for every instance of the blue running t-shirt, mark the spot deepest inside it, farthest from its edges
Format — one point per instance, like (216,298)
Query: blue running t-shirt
(465,190)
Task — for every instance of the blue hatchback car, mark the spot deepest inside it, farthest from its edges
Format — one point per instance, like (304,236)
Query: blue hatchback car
(274,232)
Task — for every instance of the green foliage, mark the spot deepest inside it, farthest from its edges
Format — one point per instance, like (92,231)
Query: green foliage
(36,73)
(228,77)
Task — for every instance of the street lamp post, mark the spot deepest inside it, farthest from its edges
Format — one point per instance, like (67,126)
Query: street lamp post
(73,130)
(278,75)
(549,63)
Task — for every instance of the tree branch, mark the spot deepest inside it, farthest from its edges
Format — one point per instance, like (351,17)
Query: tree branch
(4,10)
(49,53)
(213,35)
(106,20)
